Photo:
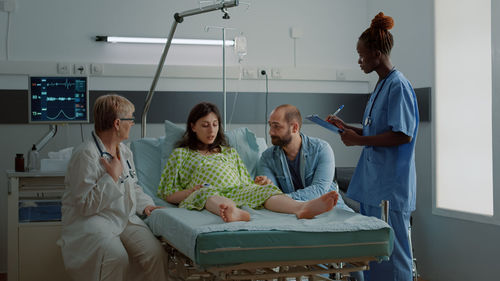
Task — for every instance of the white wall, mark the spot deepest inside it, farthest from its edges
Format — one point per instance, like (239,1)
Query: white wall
(44,33)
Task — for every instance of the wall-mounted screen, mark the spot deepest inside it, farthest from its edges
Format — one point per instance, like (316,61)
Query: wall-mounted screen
(58,99)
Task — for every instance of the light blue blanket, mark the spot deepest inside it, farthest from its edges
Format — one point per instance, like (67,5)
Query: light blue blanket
(181,227)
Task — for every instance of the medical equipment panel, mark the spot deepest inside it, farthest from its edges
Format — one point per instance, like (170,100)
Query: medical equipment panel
(58,99)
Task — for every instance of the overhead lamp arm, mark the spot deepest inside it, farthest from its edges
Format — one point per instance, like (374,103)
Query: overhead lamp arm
(178,18)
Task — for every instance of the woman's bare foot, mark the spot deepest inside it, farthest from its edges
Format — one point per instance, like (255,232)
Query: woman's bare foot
(230,213)
(317,206)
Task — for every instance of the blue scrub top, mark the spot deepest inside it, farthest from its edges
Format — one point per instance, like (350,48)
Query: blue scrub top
(388,173)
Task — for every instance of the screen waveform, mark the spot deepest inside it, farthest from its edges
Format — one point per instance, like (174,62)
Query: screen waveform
(59,99)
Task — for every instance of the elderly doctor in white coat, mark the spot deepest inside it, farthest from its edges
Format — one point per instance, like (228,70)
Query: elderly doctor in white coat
(101,229)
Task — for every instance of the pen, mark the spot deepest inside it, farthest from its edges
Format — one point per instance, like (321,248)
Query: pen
(338,110)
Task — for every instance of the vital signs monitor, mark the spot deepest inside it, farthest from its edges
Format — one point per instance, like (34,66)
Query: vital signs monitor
(58,99)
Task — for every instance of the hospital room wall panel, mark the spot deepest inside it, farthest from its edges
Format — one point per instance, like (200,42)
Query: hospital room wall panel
(242,107)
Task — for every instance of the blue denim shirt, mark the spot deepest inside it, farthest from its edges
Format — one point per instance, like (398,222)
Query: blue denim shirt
(317,169)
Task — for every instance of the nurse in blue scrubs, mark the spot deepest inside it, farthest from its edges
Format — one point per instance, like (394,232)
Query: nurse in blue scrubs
(386,168)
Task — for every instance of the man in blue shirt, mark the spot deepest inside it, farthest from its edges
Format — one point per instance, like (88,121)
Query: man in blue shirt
(302,167)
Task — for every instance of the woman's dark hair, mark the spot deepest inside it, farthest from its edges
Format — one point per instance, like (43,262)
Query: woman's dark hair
(190,140)
(377,36)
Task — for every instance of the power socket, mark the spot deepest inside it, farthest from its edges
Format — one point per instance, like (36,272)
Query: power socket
(80,69)
(96,69)
(63,68)
(262,72)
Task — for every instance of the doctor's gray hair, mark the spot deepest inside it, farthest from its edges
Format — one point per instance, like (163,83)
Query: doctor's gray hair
(108,108)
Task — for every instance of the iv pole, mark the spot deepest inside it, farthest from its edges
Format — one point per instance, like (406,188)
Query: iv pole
(224,94)
(178,18)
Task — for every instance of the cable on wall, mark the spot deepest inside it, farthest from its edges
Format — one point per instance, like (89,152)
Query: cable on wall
(7,37)
(263,72)
(235,98)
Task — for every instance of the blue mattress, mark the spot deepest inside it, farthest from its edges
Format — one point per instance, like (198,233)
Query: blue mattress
(269,236)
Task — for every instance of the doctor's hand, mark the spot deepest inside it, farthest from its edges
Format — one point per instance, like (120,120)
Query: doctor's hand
(339,123)
(113,167)
(262,180)
(350,137)
(147,211)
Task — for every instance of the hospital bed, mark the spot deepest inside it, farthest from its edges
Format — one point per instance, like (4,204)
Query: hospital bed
(271,246)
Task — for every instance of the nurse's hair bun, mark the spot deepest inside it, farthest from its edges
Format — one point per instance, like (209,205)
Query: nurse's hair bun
(377,36)
(381,21)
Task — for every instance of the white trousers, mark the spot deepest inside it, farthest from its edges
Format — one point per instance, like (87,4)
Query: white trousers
(139,245)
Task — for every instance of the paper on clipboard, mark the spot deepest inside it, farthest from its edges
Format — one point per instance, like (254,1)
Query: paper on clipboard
(316,119)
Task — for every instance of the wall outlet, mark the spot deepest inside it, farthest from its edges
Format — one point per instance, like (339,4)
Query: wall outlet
(63,68)
(96,69)
(341,75)
(80,69)
(249,73)
(276,73)
(262,72)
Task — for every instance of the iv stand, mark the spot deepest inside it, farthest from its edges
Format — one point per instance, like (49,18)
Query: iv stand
(224,94)
(178,18)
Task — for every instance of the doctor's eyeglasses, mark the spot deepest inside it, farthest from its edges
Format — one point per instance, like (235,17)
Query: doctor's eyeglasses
(128,119)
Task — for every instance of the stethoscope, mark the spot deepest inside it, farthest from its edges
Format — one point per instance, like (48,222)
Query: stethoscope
(108,156)
(368,120)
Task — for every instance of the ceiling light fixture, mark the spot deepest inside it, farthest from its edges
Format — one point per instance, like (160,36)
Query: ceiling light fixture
(148,40)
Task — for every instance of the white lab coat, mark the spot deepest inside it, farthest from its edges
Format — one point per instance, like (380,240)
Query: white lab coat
(95,208)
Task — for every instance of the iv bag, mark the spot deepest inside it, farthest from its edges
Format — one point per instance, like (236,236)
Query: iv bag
(240,46)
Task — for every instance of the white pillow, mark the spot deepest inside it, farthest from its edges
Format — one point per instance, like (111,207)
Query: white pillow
(242,139)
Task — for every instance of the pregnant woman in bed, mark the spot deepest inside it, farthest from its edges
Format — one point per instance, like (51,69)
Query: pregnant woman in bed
(204,172)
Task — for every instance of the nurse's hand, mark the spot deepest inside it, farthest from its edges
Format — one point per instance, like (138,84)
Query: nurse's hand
(350,137)
(113,167)
(147,211)
(339,123)
(262,180)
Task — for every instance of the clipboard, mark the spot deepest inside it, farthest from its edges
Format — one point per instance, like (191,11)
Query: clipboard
(316,119)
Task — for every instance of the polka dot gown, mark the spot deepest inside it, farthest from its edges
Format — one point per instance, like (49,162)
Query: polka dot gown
(225,172)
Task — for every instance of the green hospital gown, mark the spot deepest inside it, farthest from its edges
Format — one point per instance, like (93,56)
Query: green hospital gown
(225,172)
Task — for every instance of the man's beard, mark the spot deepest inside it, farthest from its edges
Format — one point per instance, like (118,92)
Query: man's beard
(281,142)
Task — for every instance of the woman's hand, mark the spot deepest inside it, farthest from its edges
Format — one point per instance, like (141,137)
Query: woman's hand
(350,137)
(339,123)
(262,180)
(113,167)
(179,196)
(147,211)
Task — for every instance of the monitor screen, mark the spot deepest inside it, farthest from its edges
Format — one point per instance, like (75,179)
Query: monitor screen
(58,99)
